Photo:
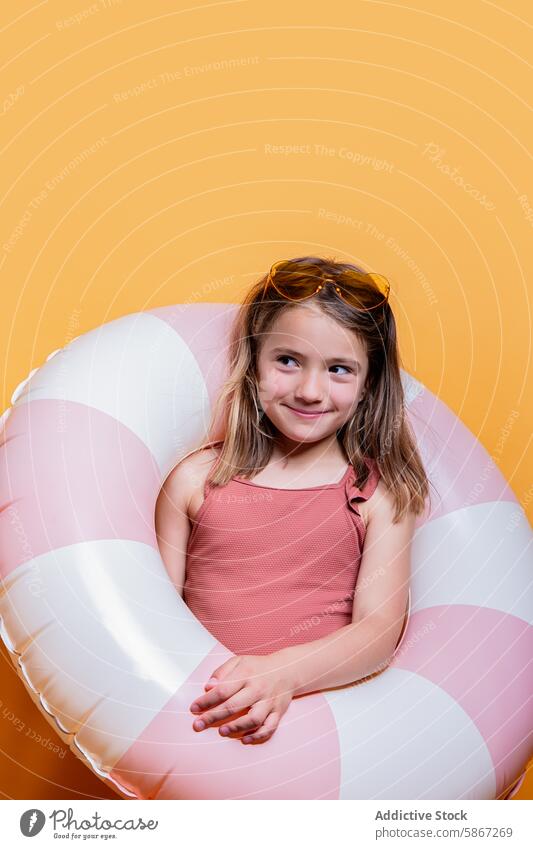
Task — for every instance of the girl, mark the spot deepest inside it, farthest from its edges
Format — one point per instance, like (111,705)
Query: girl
(304,572)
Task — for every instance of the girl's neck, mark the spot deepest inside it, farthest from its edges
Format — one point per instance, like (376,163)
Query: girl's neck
(326,455)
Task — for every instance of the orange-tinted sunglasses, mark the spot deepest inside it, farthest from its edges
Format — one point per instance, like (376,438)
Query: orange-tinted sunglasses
(353,285)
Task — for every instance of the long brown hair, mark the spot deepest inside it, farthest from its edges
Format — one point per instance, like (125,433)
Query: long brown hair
(379,428)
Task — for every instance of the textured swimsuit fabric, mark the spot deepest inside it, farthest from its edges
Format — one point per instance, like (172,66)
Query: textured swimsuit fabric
(269,568)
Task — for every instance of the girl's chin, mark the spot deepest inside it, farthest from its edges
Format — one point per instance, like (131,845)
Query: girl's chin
(300,431)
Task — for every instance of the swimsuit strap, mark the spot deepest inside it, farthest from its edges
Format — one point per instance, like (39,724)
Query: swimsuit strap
(355,494)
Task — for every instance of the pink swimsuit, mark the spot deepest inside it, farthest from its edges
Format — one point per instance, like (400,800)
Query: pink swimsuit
(269,568)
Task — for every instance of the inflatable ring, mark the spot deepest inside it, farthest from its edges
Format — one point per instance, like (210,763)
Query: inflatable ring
(113,657)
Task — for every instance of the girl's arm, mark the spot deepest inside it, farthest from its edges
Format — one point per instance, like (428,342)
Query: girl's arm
(367,645)
(172,523)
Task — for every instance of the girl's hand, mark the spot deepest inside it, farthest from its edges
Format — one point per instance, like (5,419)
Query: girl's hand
(242,681)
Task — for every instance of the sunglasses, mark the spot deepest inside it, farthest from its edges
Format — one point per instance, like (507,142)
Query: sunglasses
(352,286)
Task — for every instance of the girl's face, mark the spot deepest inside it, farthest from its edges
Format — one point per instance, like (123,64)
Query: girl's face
(311,363)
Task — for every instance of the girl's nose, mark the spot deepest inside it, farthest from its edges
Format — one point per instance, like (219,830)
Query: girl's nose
(310,389)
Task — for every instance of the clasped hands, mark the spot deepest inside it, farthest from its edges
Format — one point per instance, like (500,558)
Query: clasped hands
(258,682)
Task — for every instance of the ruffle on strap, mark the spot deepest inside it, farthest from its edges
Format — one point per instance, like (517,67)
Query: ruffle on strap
(354,494)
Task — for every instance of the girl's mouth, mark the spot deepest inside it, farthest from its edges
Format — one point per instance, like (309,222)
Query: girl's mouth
(308,415)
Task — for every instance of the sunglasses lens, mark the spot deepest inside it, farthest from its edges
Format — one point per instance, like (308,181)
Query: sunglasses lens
(295,282)
(355,289)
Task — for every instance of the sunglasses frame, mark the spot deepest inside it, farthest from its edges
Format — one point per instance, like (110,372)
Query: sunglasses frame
(372,276)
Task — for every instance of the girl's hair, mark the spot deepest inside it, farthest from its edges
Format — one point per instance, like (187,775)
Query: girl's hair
(379,428)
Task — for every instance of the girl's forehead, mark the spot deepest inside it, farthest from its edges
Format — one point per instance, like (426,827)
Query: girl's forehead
(314,333)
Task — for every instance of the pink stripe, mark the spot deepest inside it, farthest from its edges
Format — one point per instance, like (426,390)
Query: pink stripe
(484,659)
(70,473)
(300,761)
(206,329)
(459,466)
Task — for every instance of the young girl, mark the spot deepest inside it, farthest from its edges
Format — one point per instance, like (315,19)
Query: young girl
(303,513)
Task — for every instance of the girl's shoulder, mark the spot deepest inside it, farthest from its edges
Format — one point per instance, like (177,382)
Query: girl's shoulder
(196,469)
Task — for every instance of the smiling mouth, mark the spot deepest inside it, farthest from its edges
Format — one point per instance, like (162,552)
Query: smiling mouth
(308,414)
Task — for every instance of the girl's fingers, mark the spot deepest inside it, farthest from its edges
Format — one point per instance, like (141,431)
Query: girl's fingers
(220,672)
(217,694)
(265,731)
(242,699)
(251,721)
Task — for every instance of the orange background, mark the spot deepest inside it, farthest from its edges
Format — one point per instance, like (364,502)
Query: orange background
(169,152)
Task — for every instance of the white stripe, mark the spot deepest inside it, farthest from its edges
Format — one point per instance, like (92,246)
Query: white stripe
(402,737)
(139,370)
(480,555)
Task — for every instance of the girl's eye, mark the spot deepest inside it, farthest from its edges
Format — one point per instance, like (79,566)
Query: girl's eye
(286,357)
